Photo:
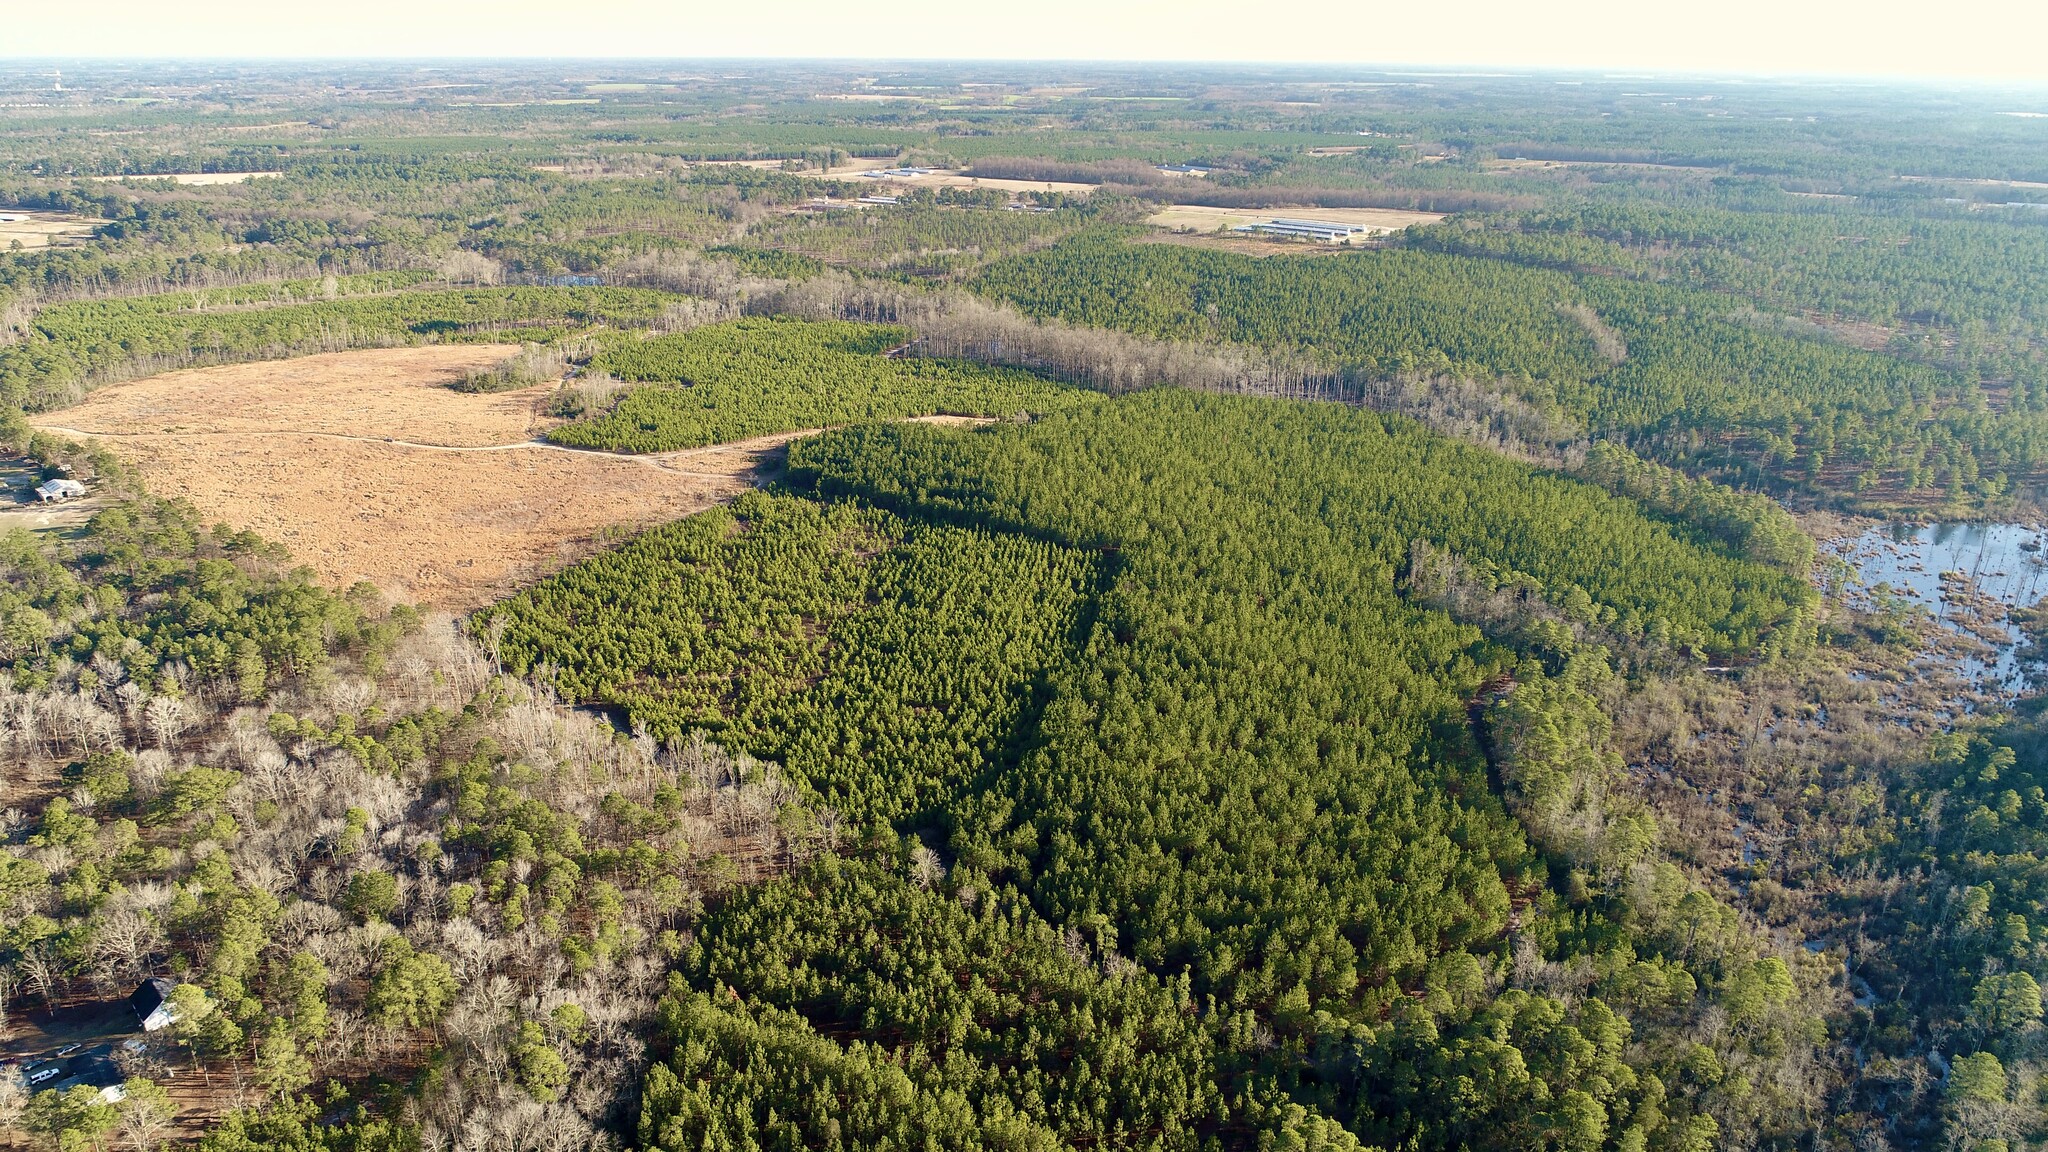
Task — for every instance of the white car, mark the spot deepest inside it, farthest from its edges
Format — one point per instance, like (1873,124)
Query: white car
(47,1072)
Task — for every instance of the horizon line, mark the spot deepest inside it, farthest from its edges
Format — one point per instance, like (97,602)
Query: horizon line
(1440,69)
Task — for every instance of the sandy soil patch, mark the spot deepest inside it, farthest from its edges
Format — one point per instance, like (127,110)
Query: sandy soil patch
(42,229)
(202,179)
(1201,219)
(368,468)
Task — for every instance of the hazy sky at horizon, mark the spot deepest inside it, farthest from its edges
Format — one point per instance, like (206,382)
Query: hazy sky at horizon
(1992,40)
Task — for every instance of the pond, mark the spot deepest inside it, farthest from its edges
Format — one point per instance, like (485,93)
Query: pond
(2002,567)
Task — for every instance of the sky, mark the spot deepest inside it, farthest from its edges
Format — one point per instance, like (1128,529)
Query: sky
(1993,41)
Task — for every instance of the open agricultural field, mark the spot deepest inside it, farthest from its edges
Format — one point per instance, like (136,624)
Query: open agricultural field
(368,467)
(1202,219)
(956,180)
(42,229)
(454,528)
(372,393)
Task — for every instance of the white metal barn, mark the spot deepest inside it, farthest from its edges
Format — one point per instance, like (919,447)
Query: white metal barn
(1325,230)
(58,489)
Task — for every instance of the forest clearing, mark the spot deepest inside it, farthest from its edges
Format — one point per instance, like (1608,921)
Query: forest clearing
(452,527)
(368,468)
(42,229)
(1202,218)
(375,392)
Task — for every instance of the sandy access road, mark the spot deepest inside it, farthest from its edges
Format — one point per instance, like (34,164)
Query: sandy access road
(368,467)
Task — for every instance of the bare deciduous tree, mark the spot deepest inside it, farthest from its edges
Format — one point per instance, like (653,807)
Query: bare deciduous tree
(166,718)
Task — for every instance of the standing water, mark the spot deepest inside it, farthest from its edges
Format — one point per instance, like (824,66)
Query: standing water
(2006,564)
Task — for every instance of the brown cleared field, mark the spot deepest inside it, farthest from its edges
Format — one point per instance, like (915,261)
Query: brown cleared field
(955,180)
(374,393)
(42,229)
(368,468)
(1203,220)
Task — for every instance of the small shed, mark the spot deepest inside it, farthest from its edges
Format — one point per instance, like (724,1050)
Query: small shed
(59,489)
(152,1004)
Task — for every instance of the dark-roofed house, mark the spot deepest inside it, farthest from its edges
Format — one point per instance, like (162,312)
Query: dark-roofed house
(152,1003)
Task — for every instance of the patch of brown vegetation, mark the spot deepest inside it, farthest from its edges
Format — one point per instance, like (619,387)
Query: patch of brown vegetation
(447,527)
(375,393)
(1213,224)
(1856,333)
(367,468)
(43,229)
